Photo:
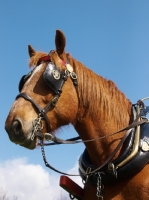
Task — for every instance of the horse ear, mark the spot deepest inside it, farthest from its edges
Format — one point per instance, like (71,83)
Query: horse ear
(31,51)
(60,42)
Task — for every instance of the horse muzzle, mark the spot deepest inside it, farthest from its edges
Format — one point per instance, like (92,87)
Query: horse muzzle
(20,135)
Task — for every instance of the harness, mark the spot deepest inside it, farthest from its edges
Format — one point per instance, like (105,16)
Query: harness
(109,171)
(120,168)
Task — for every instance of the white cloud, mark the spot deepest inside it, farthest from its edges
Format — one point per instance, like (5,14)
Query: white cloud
(31,182)
(76,179)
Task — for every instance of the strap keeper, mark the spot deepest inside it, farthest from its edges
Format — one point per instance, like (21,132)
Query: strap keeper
(54,100)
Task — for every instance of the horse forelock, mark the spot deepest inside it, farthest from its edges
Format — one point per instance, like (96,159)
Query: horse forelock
(35,58)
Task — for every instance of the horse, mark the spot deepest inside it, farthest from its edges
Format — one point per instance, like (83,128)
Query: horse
(59,91)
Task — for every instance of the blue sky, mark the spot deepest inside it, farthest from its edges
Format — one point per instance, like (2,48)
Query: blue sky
(109,37)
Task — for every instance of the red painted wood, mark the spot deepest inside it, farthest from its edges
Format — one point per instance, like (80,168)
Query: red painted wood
(70,186)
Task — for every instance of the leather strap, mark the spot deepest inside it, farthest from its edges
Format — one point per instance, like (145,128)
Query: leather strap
(40,110)
(112,154)
(76,140)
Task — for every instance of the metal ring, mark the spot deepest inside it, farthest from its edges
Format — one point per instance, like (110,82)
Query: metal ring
(48,137)
(73,75)
(145,99)
(67,72)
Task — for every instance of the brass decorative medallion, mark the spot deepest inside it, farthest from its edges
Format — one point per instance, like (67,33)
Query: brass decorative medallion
(56,74)
(69,68)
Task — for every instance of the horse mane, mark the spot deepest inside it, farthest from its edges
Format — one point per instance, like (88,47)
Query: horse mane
(96,93)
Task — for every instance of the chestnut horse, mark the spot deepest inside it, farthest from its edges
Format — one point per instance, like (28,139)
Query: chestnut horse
(92,104)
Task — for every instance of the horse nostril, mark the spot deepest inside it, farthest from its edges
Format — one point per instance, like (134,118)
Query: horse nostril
(17,127)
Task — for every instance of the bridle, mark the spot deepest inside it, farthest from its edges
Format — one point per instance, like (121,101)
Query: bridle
(55,79)
(57,74)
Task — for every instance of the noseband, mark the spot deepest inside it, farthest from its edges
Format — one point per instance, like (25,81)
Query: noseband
(55,79)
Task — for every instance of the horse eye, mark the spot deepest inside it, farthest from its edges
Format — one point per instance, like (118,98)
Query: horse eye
(23,80)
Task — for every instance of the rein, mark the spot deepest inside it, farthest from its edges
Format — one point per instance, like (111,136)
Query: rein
(88,173)
(60,141)
(74,140)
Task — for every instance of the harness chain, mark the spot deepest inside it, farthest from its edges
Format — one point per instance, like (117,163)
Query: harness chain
(100,187)
(48,165)
(37,127)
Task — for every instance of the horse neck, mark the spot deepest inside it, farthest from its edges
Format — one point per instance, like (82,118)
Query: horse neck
(103,109)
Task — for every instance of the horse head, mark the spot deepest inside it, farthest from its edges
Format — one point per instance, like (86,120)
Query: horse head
(48,97)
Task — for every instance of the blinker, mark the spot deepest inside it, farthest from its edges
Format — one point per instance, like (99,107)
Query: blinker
(23,80)
(53,77)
